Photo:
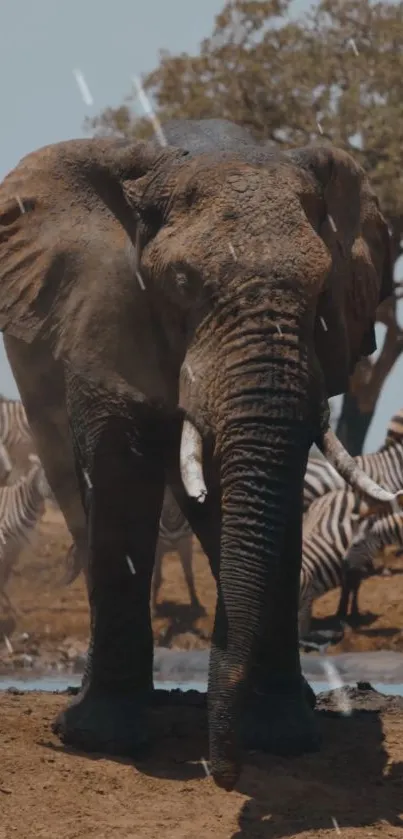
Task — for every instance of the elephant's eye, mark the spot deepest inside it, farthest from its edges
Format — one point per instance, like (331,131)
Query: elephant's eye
(187,283)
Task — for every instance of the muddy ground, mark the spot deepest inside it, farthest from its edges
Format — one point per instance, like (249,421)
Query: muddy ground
(352,787)
(51,621)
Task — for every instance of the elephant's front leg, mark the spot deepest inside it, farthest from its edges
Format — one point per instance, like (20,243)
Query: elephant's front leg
(124,498)
(279,716)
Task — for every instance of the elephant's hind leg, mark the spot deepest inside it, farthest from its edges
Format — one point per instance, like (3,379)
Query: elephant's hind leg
(119,448)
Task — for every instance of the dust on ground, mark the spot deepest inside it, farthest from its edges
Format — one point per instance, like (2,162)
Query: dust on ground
(51,622)
(352,787)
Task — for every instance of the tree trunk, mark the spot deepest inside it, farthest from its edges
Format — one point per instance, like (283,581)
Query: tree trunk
(366,383)
(352,425)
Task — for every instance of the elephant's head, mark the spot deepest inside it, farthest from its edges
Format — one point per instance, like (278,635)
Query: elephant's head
(245,275)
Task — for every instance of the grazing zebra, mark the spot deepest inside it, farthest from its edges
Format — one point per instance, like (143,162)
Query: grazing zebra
(370,539)
(339,550)
(384,466)
(174,534)
(21,506)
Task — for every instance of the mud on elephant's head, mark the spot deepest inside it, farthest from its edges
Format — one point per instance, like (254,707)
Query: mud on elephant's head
(238,283)
(305,225)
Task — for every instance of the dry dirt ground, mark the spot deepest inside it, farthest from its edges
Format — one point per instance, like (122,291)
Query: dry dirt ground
(55,617)
(352,788)
(354,785)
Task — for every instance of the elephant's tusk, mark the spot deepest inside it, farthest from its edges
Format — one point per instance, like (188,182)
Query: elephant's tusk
(346,466)
(191,453)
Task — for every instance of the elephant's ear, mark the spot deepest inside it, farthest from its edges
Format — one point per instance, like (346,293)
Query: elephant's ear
(357,237)
(62,211)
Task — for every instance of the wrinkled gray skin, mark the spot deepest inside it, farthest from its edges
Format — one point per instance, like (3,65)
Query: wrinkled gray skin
(240,261)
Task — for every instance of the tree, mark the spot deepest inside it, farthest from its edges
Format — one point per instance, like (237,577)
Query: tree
(336,73)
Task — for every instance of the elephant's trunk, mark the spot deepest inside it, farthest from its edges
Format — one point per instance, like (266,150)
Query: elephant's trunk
(265,431)
(254,519)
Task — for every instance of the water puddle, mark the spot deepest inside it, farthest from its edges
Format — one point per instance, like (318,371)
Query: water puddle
(187,670)
(61,683)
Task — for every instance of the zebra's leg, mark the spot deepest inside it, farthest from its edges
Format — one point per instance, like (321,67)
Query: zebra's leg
(120,445)
(342,609)
(350,584)
(157,575)
(185,550)
(355,584)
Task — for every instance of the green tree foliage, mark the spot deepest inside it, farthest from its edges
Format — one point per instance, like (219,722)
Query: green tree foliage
(336,72)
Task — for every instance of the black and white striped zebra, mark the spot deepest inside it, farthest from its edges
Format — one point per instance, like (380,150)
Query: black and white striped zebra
(339,549)
(21,506)
(174,534)
(327,535)
(15,436)
(385,466)
(14,427)
(6,466)
(370,539)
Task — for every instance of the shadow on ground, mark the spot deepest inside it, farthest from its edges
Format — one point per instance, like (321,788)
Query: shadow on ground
(182,620)
(350,783)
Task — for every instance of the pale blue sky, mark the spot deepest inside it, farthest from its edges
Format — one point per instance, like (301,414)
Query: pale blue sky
(42,41)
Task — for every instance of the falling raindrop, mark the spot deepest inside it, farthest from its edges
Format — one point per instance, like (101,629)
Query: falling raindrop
(83,87)
(130,564)
(149,111)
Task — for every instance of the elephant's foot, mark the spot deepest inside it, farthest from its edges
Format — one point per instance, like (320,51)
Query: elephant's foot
(282,722)
(98,722)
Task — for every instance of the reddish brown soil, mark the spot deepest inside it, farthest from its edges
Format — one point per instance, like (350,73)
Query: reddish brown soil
(357,778)
(55,617)
(354,785)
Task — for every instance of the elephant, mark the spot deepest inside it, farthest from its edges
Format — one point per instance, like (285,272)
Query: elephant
(179,315)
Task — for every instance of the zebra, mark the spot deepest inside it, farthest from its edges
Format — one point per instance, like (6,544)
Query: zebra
(384,466)
(15,439)
(14,427)
(6,467)
(372,536)
(174,534)
(339,549)
(21,506)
